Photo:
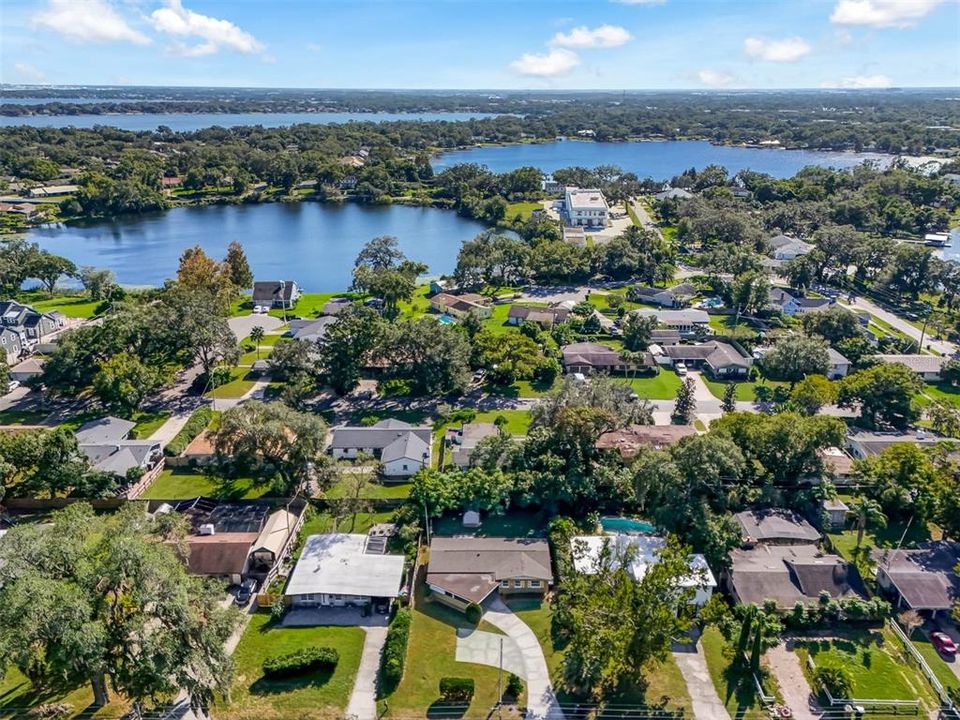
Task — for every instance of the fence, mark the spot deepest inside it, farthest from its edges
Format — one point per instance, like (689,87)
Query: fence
(141,485)
(948,705)
(869,704)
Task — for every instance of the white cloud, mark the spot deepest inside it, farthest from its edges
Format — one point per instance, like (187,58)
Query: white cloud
(214,33)
(556,62)
(859,81)
(785,50)
(88,20)
(882,13)
(29,73)
(604,36)
(715,78)
(314,47)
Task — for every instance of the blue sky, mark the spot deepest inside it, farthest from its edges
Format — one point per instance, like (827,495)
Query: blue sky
(599,44)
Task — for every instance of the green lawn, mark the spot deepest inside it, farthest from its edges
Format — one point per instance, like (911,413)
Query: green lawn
(240,384)
(876,661)
(418,305)
(523,209)
(513,523)
(662,386)
(845,542)
(520,389)
(734,686)
(943,392)
(518,421)
(935,660)
(323,522)
(22,417)
(249,358)
(746,391)
(497,322)
(315,695)
(375,490)
(178,483)
(147,423)
(17,695)
(74,306)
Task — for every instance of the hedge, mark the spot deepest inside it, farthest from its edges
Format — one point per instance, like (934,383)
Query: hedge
(197,423)
(395,649)
(299,662)
(454,688)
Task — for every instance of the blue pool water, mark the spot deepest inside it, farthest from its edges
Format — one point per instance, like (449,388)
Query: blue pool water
(447,319)
(626,525)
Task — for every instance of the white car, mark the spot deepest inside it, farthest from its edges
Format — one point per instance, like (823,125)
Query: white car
(12,385)
(260,310)
(681,368)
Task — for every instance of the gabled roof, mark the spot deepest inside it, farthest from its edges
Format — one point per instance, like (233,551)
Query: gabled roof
(673,194)
(676,317)
(836,358)
(408,446)
(273,290)
(311,330)
(925,576)
(105,430)
(471,568)
(773,524)
(717,354)
(917,363)
(630,439)
(377,436)
(781,240)
(275,532)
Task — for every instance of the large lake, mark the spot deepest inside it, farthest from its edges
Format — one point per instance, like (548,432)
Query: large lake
(660,160)
(312,243)
(187,122)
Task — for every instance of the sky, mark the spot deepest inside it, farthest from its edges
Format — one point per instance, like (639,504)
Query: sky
(465,44)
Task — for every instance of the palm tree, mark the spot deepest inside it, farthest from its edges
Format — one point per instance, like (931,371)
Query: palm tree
(256,334)
(866,511)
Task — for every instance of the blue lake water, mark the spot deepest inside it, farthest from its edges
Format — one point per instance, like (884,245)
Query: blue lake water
(186,122)
(312,243)
(660,160)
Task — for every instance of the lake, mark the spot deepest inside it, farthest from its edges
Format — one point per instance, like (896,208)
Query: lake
(660,160)
(187,122)
(312,243)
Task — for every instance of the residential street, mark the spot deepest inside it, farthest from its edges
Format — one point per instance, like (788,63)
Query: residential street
(943,347)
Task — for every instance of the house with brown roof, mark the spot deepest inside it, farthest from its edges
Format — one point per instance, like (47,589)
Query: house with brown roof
(545,317)
(460,305)
(775,526)
(464,570)
(927,367)
(628,441)
(721,359)
(922,578)
(588,357)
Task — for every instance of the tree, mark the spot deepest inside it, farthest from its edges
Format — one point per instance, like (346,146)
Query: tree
(48,463)
(834,324)
(813,393)
(866,512)
(346,346)
(835,679)
(944,418)
(49,268)
(272,438)
(383,271)
(618,625)
(256,335)
(98,282)
(237,267)
(685,405)
(750,293)
(904,480)
(602,393)
(507,358)
(356,483)
(794,357)
(729,402)
(104,600)
(637,330)
(125,382)
(883,393)
(198,318)
(199,273)
(434,357)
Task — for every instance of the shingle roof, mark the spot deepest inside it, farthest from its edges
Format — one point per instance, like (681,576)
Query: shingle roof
(377,436)
(630,439)
(472,567)
(676,317)
(775,524)
(273,290)
(717,354)
(925,575)
(917,363)
(408,446)
(105,430)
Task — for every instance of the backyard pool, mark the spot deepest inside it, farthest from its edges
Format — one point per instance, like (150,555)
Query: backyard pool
(626,525)
(447,319)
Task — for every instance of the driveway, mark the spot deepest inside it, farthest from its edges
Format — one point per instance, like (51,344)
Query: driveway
(243,324)
(703,694)
(945,626)
(363,697)
(797,694)
(487,648)
(541,700)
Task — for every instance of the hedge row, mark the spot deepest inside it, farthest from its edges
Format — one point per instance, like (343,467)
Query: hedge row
(395,649)
(197,423)
(310,659)
(456,689)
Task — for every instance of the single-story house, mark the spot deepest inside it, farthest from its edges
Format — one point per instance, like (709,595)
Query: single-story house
(588,357)
(928,367)
(837,464)
(839,365)
(589,551)
(674,297)
(105,443)
(464,570)
(335,306)
(337,569)
(721,359)
(276,293)
(664,337)
(835,512)
(545,317)
(440,285)
(685,322)
(864,443)
(402,448)
(25,209)
(52,190)
(921,578)
(464,439)
(672,193)
(795,304)
(310,330)
(201,450)
(460,305)
(788,248)
(629,440)
(775,526)
(26,369)
(790,574)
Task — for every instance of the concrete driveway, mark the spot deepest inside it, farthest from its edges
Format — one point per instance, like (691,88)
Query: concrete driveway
(484,648)
(703,695)
(363,697)
(243,324)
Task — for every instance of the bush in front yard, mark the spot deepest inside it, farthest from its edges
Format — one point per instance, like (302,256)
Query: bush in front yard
(835,679)
(514,687)
(198,421)
(456,689)
(395,650)
(299,662)
(473,613)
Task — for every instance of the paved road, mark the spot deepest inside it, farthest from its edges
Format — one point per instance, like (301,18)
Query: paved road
(363,698)
(243,324)
(797,694)
(174,424)
(693,666)
(541,701)
(943,347)
(645,220)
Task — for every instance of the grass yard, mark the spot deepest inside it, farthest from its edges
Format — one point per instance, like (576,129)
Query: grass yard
(518,421)
(418,305)
(180,483)
(315,695)
(734,686)
(22,417)
(497,322)
(375,490)
(325,522)
(876,661)
(73,306)
(17,696)
(514,523)
(935,660)
(241,382)
(249,358)
(845,542)
(746,391)
(521,389)
(662,386)
(523,209)
(147,423)
(943,392)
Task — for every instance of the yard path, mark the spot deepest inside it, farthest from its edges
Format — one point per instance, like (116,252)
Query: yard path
(541,701)
(707,705)
(363,698)
(797,694)
(174,424)
(644,217)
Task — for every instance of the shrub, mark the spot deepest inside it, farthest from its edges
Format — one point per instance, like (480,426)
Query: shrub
(395,650)
(514,686)
(299,662)
(473,613)
(456,689)
(197,423)
(835,679)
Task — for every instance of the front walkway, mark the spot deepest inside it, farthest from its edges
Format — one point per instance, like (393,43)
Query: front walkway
(797,694)
(173,425)
(363,697)
(707,705)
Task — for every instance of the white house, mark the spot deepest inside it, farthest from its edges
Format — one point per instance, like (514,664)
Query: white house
(338,569)
(927,367)
(683,321)
(788,248)
(402,448)
(641,551)
(586,208)
(839,365)
(791,305)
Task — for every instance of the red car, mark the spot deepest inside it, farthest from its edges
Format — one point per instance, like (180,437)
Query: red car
(943,643)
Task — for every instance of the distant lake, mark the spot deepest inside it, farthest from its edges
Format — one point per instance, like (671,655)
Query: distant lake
(312,243)
(186,122)
(660,160)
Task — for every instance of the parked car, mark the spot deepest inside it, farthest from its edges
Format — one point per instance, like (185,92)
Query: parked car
(247,588)
(681,368)
(12,385)
(943,643)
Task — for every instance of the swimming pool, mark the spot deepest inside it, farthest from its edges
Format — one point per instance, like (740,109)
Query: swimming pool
(447,319)
(626,525)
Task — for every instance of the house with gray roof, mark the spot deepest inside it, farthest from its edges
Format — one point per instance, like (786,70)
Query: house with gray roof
(839,365)
(674,297)
(792,303)
(862,444)
(402,448)
(786,247)
(927,367)
(275,293)
(685,321)
(588,357)
(29,325)
(105,444)
(721,359)
(464,570)
(775,526)
(310,330)
(922,578)
(672,193)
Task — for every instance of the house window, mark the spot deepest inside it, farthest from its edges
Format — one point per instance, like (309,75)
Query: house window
(404,466)
(505,583)
(518,583)
(534,583)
